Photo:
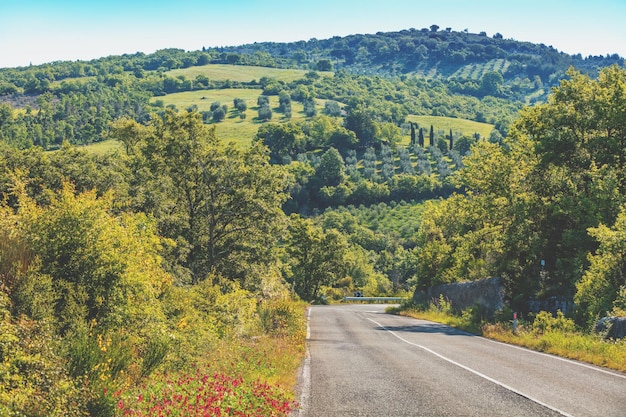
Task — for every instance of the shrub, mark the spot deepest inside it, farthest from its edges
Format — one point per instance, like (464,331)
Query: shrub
(281,317)
(545,322)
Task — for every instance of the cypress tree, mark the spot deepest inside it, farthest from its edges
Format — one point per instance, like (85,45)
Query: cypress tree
(421,137)
(432,136)
(412,134)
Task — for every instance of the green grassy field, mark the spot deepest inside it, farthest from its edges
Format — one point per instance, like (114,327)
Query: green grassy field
(240,73)
(204,98)
(242,131)
(106,146)
(458,126)
(233,128)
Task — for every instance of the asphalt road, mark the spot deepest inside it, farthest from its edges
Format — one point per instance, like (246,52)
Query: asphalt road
(363,362)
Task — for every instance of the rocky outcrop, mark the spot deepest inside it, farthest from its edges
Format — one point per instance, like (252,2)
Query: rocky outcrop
(615,327)
(487,293)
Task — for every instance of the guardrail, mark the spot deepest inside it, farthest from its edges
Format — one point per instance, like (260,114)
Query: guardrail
(384,299)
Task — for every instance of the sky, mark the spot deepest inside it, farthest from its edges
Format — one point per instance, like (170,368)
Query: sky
(40,31)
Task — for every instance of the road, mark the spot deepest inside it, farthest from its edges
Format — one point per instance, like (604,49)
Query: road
(363,362)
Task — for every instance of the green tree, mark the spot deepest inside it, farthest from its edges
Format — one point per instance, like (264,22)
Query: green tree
(221,204)
(604,281)
(579,177)
(491,84)
(362,124)
(390,133)
(331,170)
(316,257)
(324,65)
(283,140)
(219,114)
(127,131)
(240,104)
(265,113)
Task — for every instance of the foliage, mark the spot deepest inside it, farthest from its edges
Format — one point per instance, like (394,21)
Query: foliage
(546,322)
(535,198)
(317,257)
(120,270)
(601,287)
(555,335)
(32,374)
(281,317)
(203,393)
(221,204)
(93,338)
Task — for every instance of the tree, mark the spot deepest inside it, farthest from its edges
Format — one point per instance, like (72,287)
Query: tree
(332,108)
(603,285)
(100,266)
(578,138)
(265,113)
(127,131)
(240,104)
(361,123)
(491,84)
(413,138)
(283,140)
(331,170)
(324,65)
(221,204)
(316,257)
(284,101)
(432,136)
(310,109)
(219,114)
(390,133)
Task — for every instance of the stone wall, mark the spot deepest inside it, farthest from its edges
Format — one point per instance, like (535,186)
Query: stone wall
(489,293)
(613,327)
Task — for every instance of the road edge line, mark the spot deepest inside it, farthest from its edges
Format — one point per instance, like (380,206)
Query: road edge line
(481,375)
(305,373)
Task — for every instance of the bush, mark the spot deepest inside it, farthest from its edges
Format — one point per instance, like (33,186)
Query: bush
(545,322)
(281,317)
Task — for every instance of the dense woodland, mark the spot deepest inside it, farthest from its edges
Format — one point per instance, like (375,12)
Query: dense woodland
(119,268)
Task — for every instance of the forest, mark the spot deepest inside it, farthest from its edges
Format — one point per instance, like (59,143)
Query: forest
(175,255)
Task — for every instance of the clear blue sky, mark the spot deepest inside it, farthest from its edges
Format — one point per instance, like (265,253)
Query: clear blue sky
(39,31)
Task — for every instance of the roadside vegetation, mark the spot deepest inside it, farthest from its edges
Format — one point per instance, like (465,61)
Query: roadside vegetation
(543,332)
(166,218)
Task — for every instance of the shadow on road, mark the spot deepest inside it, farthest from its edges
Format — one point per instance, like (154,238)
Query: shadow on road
(426,328)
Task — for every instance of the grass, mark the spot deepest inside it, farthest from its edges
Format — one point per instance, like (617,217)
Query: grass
(240,73)
(569,344)
(578,346)
(458,126)
(233,128)
(104,147)
(234,376)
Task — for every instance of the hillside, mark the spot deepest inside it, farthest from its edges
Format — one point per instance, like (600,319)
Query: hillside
(427,72)
(429,52)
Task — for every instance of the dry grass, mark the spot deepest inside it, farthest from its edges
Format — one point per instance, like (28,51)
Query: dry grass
(587,348)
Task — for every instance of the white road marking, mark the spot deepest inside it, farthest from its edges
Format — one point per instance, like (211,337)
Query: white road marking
(558,358)
(471,370)
(305,376)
